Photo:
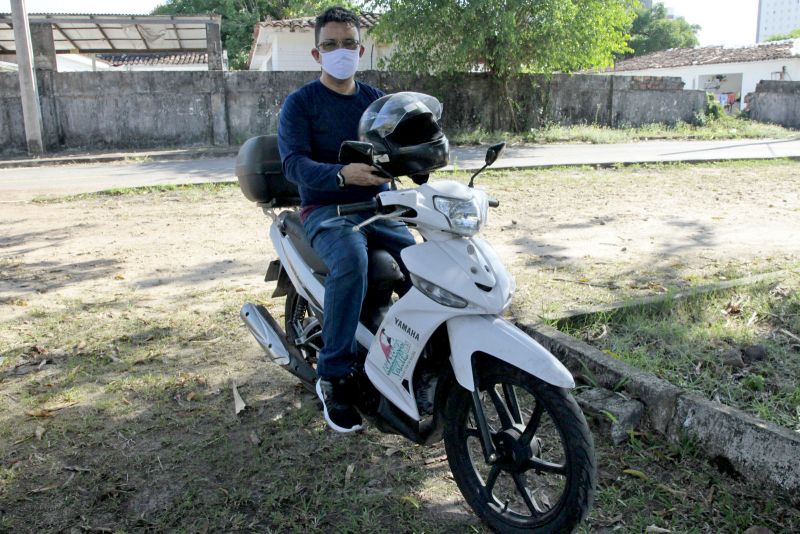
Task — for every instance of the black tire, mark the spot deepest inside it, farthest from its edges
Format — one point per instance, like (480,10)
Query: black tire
(555,501)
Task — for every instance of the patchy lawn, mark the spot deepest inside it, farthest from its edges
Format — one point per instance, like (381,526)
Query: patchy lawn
(120,342)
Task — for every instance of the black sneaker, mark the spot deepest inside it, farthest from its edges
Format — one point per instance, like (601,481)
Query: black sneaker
(337,396)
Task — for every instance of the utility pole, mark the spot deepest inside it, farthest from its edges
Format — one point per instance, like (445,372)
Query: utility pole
(28,92)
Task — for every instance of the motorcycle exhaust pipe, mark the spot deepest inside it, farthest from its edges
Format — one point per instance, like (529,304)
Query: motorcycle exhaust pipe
(273,340)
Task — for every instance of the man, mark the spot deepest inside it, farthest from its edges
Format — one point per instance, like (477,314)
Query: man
(314,121)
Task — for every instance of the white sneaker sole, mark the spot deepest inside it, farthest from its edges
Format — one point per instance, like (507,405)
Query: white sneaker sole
(331,424)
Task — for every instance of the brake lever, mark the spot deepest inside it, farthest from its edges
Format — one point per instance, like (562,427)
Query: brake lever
(396,213)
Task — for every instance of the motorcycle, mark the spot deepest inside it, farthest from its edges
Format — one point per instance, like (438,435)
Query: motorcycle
(440,362)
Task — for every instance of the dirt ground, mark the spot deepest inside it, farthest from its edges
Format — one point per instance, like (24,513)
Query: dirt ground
(120,339)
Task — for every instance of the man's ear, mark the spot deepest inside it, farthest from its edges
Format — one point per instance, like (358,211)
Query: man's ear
(315,55)
(361,50)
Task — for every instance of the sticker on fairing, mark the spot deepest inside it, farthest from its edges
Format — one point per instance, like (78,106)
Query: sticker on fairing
(397,353)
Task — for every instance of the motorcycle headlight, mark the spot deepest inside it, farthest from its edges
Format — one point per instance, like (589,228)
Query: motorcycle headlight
(438,294)
(463,215)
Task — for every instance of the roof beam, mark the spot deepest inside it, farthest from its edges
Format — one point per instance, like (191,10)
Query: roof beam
(70,41)
(131,51)
(103,33)
(177,36)
(119,19)
(139,30)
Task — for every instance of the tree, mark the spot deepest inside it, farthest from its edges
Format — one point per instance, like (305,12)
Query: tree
(504,37)
(653,30)
(239,18)
(794,34)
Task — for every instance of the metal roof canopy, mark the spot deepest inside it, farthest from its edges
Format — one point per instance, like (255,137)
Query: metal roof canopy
(96,34)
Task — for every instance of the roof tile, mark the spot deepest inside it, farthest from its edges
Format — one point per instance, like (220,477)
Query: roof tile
(708,55)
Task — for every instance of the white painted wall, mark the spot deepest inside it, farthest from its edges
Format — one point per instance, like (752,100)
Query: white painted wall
(291,51)
(752,73)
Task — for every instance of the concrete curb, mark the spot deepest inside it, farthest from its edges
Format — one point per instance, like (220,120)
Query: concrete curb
(230,151)
(577,316)
(760,451)
(153,155)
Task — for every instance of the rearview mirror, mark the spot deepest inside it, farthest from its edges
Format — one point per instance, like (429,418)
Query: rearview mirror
(494,152)
(355,152)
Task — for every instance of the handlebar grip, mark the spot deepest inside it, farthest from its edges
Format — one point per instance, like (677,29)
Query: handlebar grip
(494,203)
(355,207)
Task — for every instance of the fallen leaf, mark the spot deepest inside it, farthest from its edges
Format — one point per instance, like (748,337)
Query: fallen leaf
(391,451)
(349,473)
(435,459)
(119,277)
(40,430)
(657,530)
(41,412)
(190,397)
(238,403)
(635,473)
(76,469)
(254,439)
(411,500)
(46,488)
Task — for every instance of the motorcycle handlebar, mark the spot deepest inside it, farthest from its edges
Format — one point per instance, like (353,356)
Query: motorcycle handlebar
(494,203)
(355,207)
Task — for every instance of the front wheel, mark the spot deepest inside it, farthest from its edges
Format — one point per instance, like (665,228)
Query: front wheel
(544,476)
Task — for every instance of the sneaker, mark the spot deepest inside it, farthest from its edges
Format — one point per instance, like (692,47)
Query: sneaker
(336,395)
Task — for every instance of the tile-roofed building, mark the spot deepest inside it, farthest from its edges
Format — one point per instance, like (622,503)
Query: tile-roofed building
(710,55)
(729,73)
(286,45)
(367,20)
(162,59)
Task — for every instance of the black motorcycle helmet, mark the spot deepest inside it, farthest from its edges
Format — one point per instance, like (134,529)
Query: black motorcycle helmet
(404,130)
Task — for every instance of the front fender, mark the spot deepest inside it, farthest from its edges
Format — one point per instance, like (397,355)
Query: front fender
(499,338)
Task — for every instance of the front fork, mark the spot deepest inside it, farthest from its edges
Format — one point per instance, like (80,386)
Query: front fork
(489,452)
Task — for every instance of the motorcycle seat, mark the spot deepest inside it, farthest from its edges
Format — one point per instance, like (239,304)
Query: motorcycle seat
(291,225)
(382,267)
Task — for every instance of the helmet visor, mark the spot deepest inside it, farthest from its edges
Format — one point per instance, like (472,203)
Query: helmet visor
(398,106)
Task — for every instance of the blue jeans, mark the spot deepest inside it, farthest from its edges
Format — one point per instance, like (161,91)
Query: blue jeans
(345,254)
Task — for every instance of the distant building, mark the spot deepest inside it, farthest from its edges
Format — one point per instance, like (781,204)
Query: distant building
(286,45)
(728,73)
(777,16)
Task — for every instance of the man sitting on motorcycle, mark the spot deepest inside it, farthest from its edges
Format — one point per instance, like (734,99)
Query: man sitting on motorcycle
(314,121)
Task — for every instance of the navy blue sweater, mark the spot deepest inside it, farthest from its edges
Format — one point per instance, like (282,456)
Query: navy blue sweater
(314,121)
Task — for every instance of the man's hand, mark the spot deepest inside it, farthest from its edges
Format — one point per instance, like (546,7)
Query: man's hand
(362,174)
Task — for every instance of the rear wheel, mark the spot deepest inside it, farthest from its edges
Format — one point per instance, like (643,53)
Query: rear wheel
(544,475)
(301,326)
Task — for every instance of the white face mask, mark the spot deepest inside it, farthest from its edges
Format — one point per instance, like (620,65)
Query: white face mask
(340,63)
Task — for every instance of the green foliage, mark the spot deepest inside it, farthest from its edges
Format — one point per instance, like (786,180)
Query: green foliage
(502,37)
(714,109)
(654,30)
(794,34)
(239,18)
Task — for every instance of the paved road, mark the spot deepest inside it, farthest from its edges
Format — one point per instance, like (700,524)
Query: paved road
(23,184)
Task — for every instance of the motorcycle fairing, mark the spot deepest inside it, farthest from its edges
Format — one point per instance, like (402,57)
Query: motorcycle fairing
(468,268)
(398,344)
(497,337)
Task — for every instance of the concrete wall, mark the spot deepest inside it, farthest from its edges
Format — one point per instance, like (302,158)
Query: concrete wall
(97,110)
(776,102)
(752,73)
(12,131)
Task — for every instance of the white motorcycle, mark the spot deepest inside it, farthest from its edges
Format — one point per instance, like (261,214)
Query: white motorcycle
(440,362)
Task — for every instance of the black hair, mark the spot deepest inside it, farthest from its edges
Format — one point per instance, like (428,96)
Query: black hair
(335,14)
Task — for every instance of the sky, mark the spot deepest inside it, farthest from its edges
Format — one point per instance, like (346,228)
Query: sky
(728,22)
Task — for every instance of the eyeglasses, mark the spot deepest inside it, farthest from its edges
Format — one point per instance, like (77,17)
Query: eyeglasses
(333,44)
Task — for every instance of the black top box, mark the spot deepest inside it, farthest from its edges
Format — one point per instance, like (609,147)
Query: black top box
(260,173)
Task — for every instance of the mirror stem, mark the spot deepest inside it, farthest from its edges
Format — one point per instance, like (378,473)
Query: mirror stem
(471,180)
